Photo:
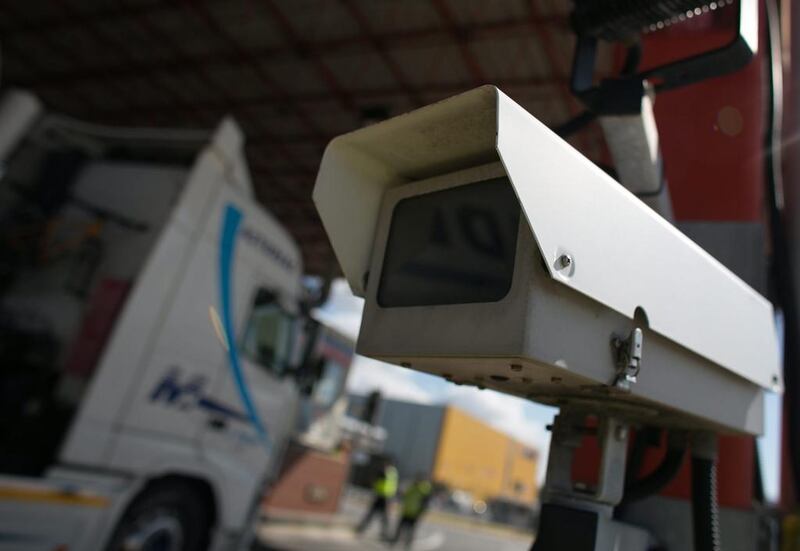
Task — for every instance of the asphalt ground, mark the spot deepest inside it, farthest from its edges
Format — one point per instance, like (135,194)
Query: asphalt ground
(437,532)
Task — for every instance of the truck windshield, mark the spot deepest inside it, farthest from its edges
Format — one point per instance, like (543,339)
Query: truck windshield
(269,335)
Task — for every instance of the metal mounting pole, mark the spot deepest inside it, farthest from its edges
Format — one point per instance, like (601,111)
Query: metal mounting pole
(577,518)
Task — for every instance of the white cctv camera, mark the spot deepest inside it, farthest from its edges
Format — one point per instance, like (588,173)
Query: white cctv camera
(492,253)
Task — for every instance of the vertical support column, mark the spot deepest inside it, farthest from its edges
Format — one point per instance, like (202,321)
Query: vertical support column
(582,520)
(633,142)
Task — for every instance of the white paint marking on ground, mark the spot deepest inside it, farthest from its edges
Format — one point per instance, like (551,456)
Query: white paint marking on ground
(272,531)
(429,542)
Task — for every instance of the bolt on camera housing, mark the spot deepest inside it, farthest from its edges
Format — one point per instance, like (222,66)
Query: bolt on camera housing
(492,253)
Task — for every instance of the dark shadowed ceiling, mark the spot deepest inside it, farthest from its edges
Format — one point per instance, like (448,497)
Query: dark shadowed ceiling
(294,73)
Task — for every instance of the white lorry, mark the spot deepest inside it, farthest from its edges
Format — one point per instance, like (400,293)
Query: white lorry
(148,321)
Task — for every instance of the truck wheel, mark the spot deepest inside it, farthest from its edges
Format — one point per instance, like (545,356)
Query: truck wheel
(171,517)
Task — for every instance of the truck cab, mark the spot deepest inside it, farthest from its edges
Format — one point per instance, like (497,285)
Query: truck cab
(149,335)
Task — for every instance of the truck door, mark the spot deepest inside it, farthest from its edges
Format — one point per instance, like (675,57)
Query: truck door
(266,342)
(251,406)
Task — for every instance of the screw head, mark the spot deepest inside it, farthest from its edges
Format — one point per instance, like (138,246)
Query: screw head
(564,261)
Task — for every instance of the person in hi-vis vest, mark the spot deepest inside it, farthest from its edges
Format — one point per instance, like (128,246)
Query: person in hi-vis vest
(414,503)
(384,489)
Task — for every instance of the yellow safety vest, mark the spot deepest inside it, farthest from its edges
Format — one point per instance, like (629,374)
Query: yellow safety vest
(414,499)
(386,486)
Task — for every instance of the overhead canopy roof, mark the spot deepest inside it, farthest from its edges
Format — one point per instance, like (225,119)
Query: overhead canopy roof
(293,73)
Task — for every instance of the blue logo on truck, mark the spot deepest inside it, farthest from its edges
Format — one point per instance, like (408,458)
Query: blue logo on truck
(190,392)
(231,221)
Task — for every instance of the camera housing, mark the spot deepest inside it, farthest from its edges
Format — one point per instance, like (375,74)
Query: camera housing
(492,253)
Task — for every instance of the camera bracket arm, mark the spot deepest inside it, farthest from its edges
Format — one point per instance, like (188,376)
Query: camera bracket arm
(576,517)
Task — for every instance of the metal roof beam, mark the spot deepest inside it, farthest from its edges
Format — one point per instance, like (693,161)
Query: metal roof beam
(107,41)
(379,44)
(535,84)
(260,74)
(314,56)
(146,24)
(65,53)
(108,12)
(238,59)
(460,35)
(33,64)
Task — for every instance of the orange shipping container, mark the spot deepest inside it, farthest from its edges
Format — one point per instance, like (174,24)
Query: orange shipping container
(479,459)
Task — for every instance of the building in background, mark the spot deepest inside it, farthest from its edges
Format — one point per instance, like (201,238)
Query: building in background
(457,451)
(316,464)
